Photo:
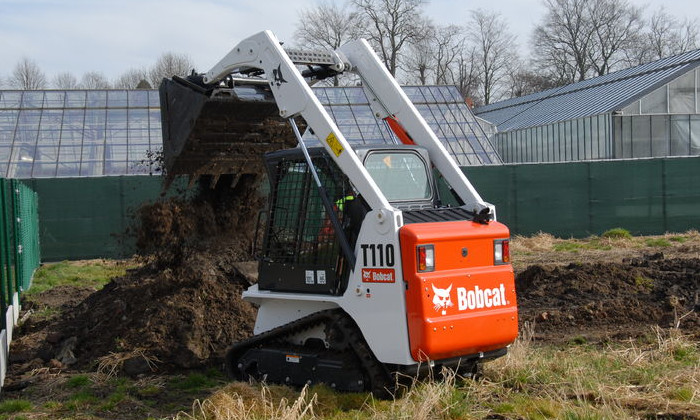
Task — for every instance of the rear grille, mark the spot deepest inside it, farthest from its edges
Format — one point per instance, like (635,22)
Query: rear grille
(447,214)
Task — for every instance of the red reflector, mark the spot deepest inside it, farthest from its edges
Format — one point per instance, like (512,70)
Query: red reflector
(426,257)
(421,259)
(506,251)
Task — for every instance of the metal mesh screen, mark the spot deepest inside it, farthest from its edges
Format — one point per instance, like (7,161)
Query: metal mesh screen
(299,230)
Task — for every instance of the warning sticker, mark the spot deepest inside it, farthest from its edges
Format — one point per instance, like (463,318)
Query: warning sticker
(334,144)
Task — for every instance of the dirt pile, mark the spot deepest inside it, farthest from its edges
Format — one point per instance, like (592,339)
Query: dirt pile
(610,300)
(183,307)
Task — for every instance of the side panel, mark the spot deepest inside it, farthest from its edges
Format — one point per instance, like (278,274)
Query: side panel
(466,305)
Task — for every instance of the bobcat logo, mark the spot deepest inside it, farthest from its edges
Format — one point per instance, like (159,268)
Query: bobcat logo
(277,75)
(442,300)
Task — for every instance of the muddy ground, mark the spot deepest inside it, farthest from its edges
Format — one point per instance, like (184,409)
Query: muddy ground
(181,308)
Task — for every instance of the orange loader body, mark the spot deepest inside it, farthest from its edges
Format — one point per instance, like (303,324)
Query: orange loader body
(467,304)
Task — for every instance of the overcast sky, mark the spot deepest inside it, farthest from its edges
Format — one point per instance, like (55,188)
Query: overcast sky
(113,36)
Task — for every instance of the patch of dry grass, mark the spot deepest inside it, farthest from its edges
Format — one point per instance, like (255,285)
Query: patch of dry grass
(618,380)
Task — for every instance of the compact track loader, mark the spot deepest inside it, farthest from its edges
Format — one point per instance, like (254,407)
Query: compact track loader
(365,271)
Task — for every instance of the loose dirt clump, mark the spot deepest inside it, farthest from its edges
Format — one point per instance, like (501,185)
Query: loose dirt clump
(182,308)
(610,300)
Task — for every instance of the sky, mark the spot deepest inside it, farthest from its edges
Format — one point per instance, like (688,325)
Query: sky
(114,36)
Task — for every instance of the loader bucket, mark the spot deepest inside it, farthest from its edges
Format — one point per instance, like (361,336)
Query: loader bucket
(216,131)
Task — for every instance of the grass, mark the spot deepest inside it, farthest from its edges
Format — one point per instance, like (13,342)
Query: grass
(632,379)
(14,406)
(94,273)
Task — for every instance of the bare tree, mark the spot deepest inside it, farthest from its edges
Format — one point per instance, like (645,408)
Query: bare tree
(27,75)
(666,36)
(328,26)
(169,64)
(525,82)
(466,75)
(94,80)
(419,62)
(392,25)
(494,52)
(563,40)
(582,38)
(65,80)
(617,27)
(132,79)
(449,43)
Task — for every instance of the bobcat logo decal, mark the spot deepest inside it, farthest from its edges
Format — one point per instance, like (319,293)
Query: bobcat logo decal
(441,300)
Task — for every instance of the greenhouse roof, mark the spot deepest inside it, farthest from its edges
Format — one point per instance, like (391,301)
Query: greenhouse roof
(80,133)
(590,97)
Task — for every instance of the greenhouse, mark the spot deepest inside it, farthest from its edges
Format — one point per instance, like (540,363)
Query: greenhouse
(95,133)
(651,110)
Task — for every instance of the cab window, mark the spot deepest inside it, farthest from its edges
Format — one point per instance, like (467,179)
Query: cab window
(402,176)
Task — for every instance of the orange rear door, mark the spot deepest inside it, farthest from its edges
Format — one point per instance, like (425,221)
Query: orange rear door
(465,303)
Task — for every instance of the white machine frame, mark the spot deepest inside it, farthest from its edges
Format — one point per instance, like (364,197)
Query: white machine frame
(383,321)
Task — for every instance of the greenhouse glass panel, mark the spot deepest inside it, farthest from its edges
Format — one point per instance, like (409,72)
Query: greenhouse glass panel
(44,169)
(116,152)
(8,120)
(75,98)
(95,119)
(68,169)
(660,135)
(695,134)
(92,151)
(49,137)
(680,135)
(113,167)
(414,94)
(154,119)
(153,99)
(32,99)
(28,120)
(92,167)
(96,99)
(322,96)
(116,125)
(681,93)
(69,153)
(10,99)
(138,99)
(21,169)
(641,136)
(46,153)
(54,99)
(656,102)
(138,118)
(51,119)
(354,95)
(632,109)
(156,138)
(117,99)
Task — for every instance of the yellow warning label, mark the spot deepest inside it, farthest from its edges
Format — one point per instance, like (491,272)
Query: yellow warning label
(334,144)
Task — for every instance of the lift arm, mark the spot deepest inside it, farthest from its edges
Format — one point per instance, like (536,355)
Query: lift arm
(294,97)
(387,100)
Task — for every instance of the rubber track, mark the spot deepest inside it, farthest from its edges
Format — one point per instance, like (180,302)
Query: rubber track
(379,377)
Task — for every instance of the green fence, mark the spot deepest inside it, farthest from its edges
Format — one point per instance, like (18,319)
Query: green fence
(19,240)
(645,196)
(83,218)
(87,217)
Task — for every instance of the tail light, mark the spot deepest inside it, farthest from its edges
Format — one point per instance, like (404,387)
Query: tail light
(426,258)
(501,252)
